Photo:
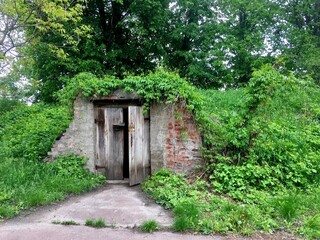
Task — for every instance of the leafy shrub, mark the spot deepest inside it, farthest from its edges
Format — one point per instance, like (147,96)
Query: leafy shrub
(268,139)
(70,165)
(202,211)
(160,86)
(166,187)
(196,209)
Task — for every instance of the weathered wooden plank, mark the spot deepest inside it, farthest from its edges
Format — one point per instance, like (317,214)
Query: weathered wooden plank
(100,160)
(110,143)
(118,143)
(136,155)
(114,144)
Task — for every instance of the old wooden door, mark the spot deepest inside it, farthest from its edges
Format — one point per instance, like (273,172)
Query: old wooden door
(139,152)
(110,130)
(110,141)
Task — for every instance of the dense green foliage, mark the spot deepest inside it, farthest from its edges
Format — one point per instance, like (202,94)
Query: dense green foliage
(197,209)
(262,149)
(7,105)
(210,43)
(302,27)
(26,135)
(269,133)
(29,132)
(160,86)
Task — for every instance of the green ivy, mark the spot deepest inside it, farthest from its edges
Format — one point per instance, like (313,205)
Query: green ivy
(160,86)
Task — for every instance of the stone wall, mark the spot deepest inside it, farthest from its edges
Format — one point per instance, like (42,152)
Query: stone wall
(79,137)
(175,139)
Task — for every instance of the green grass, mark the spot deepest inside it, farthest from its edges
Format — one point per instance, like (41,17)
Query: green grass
(99,223)
(196,208)
(217,102)
(26,135)
(29,184)
(311,226)
(149,226)
(186,214)
(287,207)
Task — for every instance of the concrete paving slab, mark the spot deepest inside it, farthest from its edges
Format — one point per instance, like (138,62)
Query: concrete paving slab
(122,207)
(118,205)
(58,232)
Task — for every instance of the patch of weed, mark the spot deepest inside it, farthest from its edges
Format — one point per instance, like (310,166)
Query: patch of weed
(149,226)
(287,207)
(181,224)
(8,211)
(311,227)
(186,213)
(99,223)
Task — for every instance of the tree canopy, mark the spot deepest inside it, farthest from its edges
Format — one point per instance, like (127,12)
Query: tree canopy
(211,43)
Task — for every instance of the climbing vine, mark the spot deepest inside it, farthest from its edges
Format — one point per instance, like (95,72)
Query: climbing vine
(160,86)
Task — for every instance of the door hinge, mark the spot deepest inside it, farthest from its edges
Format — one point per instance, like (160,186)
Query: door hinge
(99,167)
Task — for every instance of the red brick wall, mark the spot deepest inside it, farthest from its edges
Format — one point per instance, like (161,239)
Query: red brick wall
(179,137)
(183,141)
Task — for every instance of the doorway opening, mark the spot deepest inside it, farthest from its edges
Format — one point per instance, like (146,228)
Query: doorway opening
(122,142)
(126,145)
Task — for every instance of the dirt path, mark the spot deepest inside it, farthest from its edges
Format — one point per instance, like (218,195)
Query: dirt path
(123,209)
